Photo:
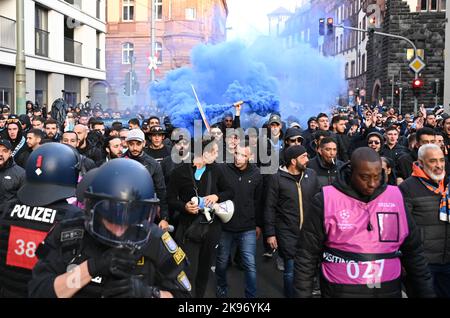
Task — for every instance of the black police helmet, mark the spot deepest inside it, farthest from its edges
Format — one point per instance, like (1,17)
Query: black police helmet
(120,203)
(52,173)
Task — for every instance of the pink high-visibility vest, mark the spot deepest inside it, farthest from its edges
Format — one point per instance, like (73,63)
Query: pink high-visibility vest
(363,239)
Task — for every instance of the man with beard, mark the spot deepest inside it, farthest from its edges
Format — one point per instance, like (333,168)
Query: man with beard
(136,144)
(84,147)
(326,164)
(11,175)
(355,230)
(113,149)
(427,198)
(51,130)
(287,200)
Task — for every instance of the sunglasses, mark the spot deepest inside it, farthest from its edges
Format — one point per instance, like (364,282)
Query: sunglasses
(299,139)
(373,142)
(13,120)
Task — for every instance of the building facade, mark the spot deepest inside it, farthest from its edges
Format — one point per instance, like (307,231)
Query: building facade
(178,27)
(64,48)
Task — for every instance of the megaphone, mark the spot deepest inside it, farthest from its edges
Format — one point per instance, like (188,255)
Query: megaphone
(223,210)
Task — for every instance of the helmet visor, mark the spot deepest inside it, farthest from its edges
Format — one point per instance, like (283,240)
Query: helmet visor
(122,223)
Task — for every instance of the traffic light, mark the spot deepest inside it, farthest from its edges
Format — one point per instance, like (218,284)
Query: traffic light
(436,87)
(330,27)
(417,84)
(372,22)
(321,26)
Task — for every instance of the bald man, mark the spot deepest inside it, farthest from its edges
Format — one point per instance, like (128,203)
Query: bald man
(359,225)
(84,147)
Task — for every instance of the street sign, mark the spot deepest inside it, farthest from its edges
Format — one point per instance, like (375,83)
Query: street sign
(417,65)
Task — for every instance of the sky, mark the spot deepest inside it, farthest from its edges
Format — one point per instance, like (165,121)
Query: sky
(247,19)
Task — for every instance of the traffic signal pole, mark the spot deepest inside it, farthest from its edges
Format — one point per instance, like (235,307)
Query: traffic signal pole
(395,36)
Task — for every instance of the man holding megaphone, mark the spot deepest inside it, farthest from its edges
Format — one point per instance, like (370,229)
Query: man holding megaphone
(199,191)
(244,228)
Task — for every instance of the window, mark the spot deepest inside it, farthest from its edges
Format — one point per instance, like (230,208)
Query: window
(97,9)
(158,9)
(433,5)
(346,70)
(41,34)
(363,63)
(364,27)
(128,10)
(127,53)
(442,5)
(352,71)
(190,14)
(158,52)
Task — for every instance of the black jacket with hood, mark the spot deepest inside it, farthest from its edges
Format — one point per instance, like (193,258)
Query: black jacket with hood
(312,244)
(248,202)
(287,205)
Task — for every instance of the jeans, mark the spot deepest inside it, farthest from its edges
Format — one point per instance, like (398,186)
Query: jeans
(246,243)
(441,279)
(288,278)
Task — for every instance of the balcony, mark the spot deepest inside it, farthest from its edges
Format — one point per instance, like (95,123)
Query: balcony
(97,60)
(72,51)
(41,38)
(7,33)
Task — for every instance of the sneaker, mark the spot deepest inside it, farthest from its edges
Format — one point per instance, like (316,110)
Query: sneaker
(280,264)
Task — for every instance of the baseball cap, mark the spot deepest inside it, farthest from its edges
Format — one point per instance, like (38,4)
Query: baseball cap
(135,134)
(274,118)
(5,143)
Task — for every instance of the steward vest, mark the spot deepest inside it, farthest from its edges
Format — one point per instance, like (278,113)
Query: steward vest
(363,239)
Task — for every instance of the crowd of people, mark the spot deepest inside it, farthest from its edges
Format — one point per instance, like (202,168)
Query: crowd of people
(358,204)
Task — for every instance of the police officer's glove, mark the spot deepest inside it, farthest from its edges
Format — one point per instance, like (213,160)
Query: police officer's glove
(131,287)
(115,261)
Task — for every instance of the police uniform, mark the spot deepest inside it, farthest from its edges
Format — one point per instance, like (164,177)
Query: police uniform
(161,262)
(51,177)
(22,229)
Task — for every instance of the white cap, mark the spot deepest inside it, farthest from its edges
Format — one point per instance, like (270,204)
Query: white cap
(135,134)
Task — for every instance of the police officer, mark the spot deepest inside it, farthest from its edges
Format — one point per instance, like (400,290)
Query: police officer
(51,176)
(115,250)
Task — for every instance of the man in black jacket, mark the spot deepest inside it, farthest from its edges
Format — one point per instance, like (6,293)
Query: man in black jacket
(325,164)
(197,236)
(423,136)
(244,228)
(424,192)
(342,139)
(136,144)
(11,175)
(360,227)
(287,200)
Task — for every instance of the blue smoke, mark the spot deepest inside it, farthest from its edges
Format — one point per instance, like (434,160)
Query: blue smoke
(296,82)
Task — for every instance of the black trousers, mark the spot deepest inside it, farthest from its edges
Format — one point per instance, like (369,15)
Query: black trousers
(201,256)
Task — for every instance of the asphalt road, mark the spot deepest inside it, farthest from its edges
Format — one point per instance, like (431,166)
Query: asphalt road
(269,279)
